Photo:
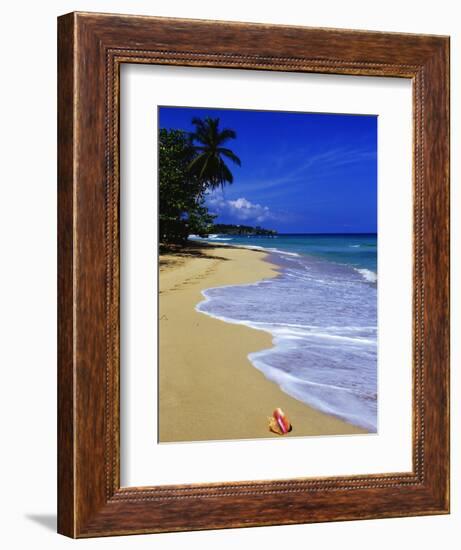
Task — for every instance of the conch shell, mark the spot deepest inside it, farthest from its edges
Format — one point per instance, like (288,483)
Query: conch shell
(279,423)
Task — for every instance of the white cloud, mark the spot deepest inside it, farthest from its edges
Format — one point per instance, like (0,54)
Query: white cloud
(241,209)
(246,210)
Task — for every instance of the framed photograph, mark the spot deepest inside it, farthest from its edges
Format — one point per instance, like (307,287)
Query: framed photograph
(253,275)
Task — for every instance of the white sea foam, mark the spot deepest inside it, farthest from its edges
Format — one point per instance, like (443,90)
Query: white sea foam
(267,249)
(289,331)
(284,252)
(368,275)
(209,238)
(214,238)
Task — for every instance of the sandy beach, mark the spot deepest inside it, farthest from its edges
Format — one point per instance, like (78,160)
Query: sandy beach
(208,388)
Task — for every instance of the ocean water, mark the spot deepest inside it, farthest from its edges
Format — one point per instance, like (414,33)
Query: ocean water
(321,311)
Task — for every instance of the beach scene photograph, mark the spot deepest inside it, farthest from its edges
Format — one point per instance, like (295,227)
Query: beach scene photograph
(268,274)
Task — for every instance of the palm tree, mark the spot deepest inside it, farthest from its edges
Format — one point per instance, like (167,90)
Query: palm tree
(209,163)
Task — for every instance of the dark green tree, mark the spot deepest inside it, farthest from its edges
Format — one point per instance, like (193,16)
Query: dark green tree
(181,193)
(209,163)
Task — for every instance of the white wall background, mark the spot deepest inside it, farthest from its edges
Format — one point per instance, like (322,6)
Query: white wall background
(28,271)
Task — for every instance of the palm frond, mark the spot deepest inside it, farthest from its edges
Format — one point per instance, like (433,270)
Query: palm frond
(225,135)
(230,155)
(226,174)
(209,165)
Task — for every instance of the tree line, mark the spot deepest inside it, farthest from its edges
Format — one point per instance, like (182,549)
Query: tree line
(245,230)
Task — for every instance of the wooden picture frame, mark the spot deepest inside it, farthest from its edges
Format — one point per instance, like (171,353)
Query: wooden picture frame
(92,47)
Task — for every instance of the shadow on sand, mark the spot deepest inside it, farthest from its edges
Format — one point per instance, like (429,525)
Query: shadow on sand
(187,250)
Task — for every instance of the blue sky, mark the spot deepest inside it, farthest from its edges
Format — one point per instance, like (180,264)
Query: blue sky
(300,173)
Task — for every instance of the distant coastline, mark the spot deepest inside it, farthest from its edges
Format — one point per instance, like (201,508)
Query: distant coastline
(238,229)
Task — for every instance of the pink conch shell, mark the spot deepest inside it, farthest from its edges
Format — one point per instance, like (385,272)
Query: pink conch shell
(279,423)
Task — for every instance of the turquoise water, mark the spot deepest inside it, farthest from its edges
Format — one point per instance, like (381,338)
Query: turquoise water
(321,311)
(357,250)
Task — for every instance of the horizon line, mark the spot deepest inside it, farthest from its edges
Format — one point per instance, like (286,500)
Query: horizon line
(329,233)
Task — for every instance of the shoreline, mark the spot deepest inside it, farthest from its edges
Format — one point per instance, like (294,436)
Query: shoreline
(208,388)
